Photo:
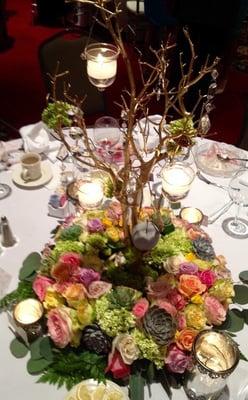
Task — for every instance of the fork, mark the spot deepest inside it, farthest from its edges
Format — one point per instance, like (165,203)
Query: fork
(206,180)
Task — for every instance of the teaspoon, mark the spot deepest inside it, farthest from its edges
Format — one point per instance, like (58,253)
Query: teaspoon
(224,157)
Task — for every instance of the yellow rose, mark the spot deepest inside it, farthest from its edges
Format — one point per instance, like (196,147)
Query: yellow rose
(84,313)
(53,299)
(113,234)
(190,257)
(195,316)
(197,299)
(74,294)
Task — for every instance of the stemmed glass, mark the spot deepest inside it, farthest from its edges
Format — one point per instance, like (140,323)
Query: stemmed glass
(238,191)
(106,135)
(4,189)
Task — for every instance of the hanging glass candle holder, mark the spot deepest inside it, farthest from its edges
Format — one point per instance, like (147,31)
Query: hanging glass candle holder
(101,64)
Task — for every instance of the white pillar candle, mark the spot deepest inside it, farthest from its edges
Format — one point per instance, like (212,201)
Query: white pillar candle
(90,194)
(176,180)
(101,67)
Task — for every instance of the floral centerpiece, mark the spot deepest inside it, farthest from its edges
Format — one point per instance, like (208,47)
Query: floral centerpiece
(111,313)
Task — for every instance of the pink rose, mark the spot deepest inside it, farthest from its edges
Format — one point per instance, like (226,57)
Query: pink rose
(88,275)
(214,310)
(177,360)
(59,326)
(181,322)
(117,366)
(158,289)
(140,308)
(40,285)
(207,277)
(71,259)
(168,307)
(98,288)
(176,299)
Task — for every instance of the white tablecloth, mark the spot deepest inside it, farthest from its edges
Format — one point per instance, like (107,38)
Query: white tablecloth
(27,214)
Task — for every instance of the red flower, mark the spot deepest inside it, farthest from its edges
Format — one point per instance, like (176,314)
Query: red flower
(117,366)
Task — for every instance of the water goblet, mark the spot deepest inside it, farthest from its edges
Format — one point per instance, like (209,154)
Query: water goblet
(237,227)
(106,135)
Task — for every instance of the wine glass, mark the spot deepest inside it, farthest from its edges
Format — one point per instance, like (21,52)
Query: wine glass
(4,189)
(238,191)
(106,135)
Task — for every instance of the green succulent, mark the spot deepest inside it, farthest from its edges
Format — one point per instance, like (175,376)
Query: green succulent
(57,114)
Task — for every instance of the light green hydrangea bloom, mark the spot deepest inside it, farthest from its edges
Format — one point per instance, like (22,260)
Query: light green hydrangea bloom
(222,289)
(65,246)
(148,348)
(113,321)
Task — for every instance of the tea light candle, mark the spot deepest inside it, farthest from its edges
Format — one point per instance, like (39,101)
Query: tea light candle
(90,194)
(176,180)
(101,67)
(191,215)
(28,312)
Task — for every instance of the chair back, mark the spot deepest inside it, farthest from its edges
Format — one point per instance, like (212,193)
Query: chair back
(66,48)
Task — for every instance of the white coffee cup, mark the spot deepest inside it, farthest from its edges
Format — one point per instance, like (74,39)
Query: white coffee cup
(31,166)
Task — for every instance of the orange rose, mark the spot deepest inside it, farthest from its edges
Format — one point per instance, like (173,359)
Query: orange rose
(74,294)
(185,338)
(189,285)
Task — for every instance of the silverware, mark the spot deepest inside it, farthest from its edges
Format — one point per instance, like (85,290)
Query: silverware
(218,213)
(225,157)
(206,180)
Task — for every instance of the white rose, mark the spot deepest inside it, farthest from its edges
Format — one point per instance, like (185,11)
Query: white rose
(127,347)
(172,263)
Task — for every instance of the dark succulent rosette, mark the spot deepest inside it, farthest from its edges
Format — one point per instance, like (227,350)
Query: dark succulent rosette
(94,339)
(160,325)
(203,249)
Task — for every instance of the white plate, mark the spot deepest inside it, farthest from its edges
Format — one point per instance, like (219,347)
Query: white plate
(92,385)
(46,176)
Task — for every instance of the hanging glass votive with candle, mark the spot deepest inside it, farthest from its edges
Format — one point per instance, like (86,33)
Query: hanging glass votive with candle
(101,64)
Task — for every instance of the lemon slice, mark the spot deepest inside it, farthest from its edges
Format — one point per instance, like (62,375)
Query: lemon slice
(83,393)
(99,393)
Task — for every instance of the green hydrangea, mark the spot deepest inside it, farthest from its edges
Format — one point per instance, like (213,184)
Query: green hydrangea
(97,240)
(222,289)
(71,233)
(113,322)
(65,246)
(170,245)
(56,114)
(148,348)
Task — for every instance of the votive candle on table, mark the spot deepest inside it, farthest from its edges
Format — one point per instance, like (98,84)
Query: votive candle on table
(28,314)
(191,215)
(176,180)
(90,194)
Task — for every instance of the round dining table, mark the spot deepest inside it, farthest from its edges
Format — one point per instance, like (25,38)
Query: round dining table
(27,213)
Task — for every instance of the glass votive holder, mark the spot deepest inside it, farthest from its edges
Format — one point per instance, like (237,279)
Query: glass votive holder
(101,64)
(28,315)
(90,194)
(192,215)
(215,357)
(176,180)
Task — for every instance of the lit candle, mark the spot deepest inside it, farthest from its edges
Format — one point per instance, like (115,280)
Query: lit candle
(28,312)
(191,215)
(176,180)
(101,68)
(90,194)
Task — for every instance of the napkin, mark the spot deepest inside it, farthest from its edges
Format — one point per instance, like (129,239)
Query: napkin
(37,139)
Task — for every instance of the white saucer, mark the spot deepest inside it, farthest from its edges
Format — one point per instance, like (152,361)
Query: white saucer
(46,176)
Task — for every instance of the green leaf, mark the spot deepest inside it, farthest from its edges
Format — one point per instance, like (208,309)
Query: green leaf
(245,316)
(46,349)
(35,349)
(236,320)
(241,294)
(30,265)
(243,276)
(242,356)
(18,348)
(37,366)
(136,387)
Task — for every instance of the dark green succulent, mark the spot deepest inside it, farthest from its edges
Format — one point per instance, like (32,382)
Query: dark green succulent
(160,325)
(57,114)
(94,339)
(123,297)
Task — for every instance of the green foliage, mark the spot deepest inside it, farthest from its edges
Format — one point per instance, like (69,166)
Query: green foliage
(123,296)
(56,114)
(64,246)
(72,233)
(23,291)
(136,387)
(18,348)
(29,266)
(243,276)
(97,240)
(241,294)
(70,368)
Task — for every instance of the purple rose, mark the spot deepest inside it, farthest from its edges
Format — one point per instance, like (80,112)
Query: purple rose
(88,275)
(188,268)
(177,360)
(95,225)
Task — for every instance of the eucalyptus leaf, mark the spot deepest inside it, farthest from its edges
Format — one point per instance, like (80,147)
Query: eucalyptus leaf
(236,320)
(46,348)
(30,265)
(241,294)
(18,348)
(35,349)
(243,276)
(225,325)
(245,316)
(242,356)
(37,366)
(136,387)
